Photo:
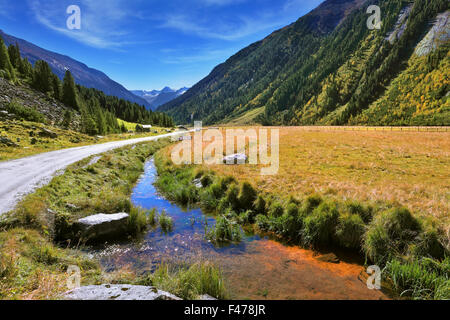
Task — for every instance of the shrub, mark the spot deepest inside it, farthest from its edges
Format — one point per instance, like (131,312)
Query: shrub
(224,231)
(206,180)
(208,199)
(247,196)
(262,222)
(365,212)
(429,243)
(232,197)
(25,113)
(350,230)
(292,210)
(311,203)
(389,234)
(260,205)
(276,210)
(320,226)
(198,173)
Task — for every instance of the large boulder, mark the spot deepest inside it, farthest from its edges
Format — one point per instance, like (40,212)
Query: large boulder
(102,226)
(48,133)
(118,292)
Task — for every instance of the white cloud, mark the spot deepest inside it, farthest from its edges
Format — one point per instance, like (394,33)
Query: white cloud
(245,26)
(101,22)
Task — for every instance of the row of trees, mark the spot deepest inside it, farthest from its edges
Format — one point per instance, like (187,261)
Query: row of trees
(99,112)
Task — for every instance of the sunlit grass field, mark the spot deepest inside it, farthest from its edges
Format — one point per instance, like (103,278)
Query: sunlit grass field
(23,132)
(410,168)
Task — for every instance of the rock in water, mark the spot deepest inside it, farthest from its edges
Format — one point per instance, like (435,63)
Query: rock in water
(118,292)
(102,225)
(330,258)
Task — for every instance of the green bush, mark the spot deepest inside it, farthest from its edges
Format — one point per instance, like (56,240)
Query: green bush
(25,113)
(350,230)
(206,180)
(224,231)
(292,210)
(311,202)
(389,234)
(208,199)
(365,212)
(320,227)
(260,205)
(276,210)
(430,241)
(232,197)
(262,222)
(247,196)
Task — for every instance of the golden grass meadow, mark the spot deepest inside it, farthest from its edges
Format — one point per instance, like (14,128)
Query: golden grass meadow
(409,168)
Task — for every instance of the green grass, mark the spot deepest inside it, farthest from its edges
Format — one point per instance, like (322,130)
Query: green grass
(421,278)
(190,282)
(224,231)
(165,222)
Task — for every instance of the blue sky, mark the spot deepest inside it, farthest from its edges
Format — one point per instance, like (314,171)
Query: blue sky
(149,44)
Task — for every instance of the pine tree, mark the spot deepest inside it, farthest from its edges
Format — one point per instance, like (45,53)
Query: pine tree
(5,63)
(14,55)
(42,77)
(69,93)
(56,84)
(67,119)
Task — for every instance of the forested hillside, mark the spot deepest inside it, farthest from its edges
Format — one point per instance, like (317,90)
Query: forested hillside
(329,68)
(98,111)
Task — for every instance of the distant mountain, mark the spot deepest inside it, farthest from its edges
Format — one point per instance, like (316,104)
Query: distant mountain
(83,75)
(157,98)
(329,68)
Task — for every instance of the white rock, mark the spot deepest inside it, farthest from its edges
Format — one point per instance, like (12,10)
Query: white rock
(118,292)
(238,158)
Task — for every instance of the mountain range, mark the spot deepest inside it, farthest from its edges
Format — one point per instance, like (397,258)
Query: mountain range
(83,75)
(330,68)
(157,98)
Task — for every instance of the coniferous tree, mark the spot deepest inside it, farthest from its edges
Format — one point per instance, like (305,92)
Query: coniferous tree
(14,55)
(42,77)
(69,93)
(5,63)
(56,84)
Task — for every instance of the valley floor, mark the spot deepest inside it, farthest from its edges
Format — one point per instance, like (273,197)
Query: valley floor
(408,166)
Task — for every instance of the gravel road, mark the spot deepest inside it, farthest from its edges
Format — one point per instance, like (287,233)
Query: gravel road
(23,176)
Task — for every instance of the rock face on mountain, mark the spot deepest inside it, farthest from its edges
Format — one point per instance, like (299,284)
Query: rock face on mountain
(439,34)
(82,74)
(327,68)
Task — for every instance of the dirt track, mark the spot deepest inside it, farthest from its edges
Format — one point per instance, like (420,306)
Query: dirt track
(22,176)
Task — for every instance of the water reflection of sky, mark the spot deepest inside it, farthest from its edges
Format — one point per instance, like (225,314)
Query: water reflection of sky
(185,243)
